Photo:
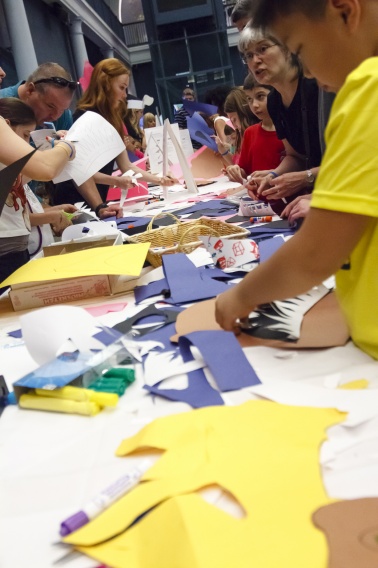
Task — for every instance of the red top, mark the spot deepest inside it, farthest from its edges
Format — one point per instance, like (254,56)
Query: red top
(261,150)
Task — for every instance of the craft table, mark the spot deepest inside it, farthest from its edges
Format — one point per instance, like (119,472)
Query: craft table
(53,463)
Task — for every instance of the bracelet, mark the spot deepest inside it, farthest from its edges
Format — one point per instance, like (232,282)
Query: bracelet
(99,207)
(69,145)
(273,174)
(226,152)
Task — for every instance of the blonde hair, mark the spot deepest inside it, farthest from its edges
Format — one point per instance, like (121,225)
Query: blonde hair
(99,94)
(148,117)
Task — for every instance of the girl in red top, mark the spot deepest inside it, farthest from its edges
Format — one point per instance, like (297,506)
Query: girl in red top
(261,149)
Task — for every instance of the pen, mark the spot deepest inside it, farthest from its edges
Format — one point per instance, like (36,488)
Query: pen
(261,219)
(106,498)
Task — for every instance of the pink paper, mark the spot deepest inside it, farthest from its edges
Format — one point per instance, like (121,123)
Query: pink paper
(85,79)
(97,311)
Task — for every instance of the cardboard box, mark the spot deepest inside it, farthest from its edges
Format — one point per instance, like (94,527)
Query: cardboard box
(49,292)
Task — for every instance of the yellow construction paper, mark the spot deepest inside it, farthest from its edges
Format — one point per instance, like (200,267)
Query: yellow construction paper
(264,454)
(355,385)
(126,259)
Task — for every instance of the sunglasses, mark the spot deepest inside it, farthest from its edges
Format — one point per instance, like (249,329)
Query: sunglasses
(59,81)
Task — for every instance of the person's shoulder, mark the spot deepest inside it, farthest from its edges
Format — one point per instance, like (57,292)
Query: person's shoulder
(309,85)
(10,91)
(252,130)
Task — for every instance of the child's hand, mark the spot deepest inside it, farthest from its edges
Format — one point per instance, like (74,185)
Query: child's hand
(297,209)
(60,222)
(112,210)
(168,180)
(234,173)
(124,182)
(229,307)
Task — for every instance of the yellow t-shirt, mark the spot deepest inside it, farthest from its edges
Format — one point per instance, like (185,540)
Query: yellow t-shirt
(348,182)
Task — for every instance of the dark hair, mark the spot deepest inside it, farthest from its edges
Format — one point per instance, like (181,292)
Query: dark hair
(237,102)
(251,83)
(99,94)
(16,111)
(265,12)
(241,10)
(217,96)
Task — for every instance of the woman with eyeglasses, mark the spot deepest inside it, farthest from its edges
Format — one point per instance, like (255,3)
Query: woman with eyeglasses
(106,95)
(293,107)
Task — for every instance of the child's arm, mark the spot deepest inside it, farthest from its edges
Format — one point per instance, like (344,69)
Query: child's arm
(236,173)
(317,251)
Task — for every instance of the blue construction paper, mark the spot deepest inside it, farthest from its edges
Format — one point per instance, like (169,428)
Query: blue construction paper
(136,221)
(149,290)
(186,283)
(17,333)
(269,247)
(200,132)
(198,393)
(107,335)
(213,204)
(194,106)
(224,357)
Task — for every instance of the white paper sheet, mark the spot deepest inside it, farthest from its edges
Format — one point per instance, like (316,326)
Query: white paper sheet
(97,144)
(45,331)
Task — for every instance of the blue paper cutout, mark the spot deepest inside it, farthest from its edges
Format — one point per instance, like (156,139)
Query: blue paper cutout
(186,283)
(224,357)
(149,290)
(269,247)
(200,132)
(194,106)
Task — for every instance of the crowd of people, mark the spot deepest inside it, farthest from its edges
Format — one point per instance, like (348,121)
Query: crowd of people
(275,135)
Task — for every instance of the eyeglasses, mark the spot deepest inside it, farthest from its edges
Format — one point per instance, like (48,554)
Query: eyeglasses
(60,81)
(259,52)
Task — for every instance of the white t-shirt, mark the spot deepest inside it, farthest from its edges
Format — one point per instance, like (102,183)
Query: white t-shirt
(42,235)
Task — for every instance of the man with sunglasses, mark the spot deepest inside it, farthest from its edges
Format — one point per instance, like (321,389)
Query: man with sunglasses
(48,91)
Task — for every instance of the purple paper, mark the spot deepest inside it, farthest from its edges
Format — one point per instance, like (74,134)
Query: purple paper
(198,394)
(224,357)
(186,282)
(269,247)
(149,290)
(17,334)
(200,132)
(194,106)
(107,335)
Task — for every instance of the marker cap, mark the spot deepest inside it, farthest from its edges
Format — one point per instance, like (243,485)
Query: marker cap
(73,523)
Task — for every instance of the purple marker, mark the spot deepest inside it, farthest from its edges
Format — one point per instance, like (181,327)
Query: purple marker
(105,498)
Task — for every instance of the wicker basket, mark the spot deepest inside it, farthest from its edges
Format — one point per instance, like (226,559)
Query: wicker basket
(183,237)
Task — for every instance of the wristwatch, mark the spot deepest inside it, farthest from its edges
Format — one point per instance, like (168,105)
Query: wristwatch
(310,178)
